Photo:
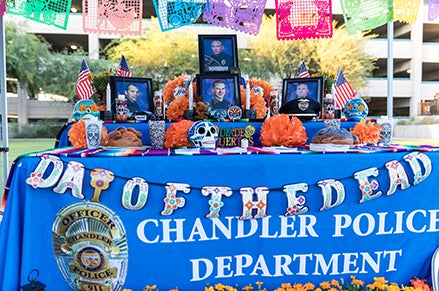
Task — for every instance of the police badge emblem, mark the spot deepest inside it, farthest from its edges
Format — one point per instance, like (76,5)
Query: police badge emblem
(303,104)
(90,246)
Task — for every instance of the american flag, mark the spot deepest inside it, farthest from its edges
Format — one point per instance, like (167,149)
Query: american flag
(343,91)
(303,71)
(123,70)
(84,90)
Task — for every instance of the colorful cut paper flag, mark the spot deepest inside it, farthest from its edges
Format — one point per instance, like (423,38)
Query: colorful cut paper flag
(54,13)
(301,19)
(123,70)
(343,91)
(433,9)
(303,71)
(406,10)
(239,15)
(112,17)
(175,14)
(2,7)
(84,90)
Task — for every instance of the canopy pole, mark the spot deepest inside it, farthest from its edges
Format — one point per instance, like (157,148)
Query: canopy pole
(390,69)
(4,104)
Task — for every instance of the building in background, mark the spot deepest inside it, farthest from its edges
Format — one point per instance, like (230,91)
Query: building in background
(415,57)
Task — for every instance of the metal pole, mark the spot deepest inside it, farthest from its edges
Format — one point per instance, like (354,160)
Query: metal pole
(390,69)
(4,104)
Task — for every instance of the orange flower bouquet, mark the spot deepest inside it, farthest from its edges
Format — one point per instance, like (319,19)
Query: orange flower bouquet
(280,130)
(176,134)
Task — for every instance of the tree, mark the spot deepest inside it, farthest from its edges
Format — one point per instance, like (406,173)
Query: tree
(269,57)
(25,57)
(157,54)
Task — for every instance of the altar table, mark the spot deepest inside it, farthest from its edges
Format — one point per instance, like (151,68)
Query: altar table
(230,217)
(311,128)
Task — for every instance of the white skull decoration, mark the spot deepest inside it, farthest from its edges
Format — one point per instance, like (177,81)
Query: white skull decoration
(386,133)
(202,134)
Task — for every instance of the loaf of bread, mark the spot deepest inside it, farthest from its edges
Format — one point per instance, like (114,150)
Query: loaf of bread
(334,136)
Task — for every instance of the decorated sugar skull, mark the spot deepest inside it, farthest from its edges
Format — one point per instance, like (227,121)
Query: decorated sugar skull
(85,108)
(258,90)
(386,133)
(202,134)
(356,109)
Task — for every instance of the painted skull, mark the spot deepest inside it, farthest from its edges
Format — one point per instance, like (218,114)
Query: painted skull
(93,135)
(386,133)
(258,90)
(356,109)
(85,108)
(202,134)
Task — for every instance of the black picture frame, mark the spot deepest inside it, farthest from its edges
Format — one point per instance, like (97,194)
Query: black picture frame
(205,84)
(144,101)
(315,87)
(211,64)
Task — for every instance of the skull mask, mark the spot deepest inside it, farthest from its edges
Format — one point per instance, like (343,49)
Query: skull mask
(356,109)
(85,108)
(202,134)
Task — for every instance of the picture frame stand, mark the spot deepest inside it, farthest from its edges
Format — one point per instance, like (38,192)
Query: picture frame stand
(250,114)
(189,114)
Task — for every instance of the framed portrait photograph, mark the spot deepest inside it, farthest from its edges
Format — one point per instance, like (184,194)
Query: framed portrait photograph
(219,91)
(311,88)
(217,53)
(137,92)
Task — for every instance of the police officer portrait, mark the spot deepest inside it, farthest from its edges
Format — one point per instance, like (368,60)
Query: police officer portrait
(217,53)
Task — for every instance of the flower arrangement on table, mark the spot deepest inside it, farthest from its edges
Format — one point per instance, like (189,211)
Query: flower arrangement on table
(379,284)
(177,106)
(99,83)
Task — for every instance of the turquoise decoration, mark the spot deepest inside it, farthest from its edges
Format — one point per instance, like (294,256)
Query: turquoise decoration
(203,135)
(356,109)
(85,108)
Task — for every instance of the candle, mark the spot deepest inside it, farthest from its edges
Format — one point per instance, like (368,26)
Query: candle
(191,97)
(247,95)
(108,98)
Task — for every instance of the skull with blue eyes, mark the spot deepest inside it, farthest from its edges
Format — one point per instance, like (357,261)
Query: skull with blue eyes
(85,108)
(202,134)
(356,109)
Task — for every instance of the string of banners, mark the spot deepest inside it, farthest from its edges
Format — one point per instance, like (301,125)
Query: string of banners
(63,176)
(299,19)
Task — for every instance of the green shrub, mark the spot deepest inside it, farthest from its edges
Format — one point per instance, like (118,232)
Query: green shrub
(39,129)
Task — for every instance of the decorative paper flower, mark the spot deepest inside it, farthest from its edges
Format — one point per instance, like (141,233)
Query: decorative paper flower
(257,103)
(168,90)
(282,130)
(267,87)
(175,110)
(176,134)
(367,132)
(77,134)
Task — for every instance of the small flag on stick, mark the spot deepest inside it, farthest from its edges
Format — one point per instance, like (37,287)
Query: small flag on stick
(84,90)
(303,71)
(123,70)
(343,91)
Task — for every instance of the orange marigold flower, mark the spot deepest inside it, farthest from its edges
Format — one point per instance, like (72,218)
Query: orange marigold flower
(210,288)
(325,285)
(309,286)
(219,287)
(259,283)
(150,287)
(286,285)
(335,283)
(281,130)
(247,288)
(176,134)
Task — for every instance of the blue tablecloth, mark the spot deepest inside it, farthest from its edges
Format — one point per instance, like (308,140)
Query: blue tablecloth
(311,128)
(328,216)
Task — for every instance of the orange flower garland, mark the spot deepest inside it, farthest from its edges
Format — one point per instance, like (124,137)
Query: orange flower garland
(367,132)
(77,134)
(176,134)
(257,103)
(176,111)
(267,87)
(281,130)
